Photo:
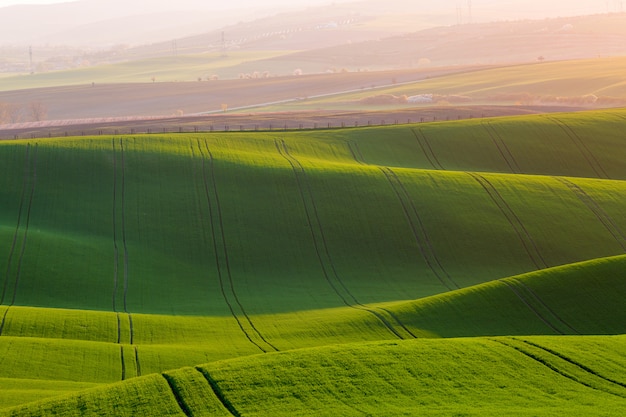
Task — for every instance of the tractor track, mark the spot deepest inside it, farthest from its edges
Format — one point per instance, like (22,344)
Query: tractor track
(422,240)
(19,222)
(583,149)
(424,244)
(427,149)
(535,357)
(573,362)
(177,395)
(502,148)
(601,215)
(218,392)
(518,288)
(22,250)
(321,247)
(219,241)
(525,238)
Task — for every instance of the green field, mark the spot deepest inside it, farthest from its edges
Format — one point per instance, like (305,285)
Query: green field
(165,69)
(570,83)
(461,268)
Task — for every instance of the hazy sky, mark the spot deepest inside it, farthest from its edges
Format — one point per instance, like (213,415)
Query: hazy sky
(242,3)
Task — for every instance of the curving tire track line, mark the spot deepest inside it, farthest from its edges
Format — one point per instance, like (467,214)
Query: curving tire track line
(218,392)
(530,306)
(123,362)
(18,225)
(502,148)
(553,367)
(182,404)
(15,235)
(582,147)
(124,244)
(115,247)
(427,149)
(602,215)
(320,245)
(24,238)
(423,241)
(573,362)
(543,304)
(224,270)
(138,364)
(526,239)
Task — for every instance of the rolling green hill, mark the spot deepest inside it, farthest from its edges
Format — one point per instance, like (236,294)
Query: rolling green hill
(299,267)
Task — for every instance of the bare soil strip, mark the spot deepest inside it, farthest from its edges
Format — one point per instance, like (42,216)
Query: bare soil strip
(268,121)
(526,239)
(602,215)
(319,241)
(221,251)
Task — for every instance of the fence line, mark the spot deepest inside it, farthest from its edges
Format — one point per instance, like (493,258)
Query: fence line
(213,127)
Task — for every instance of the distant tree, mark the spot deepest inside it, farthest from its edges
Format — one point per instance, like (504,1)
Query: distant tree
(224,107)
(541,58)
(10,113)
(297,72)
(153,78)
(38,111)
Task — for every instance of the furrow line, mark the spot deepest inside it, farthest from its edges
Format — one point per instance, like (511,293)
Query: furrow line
(423,241)
(115,248)
(218,392)
(225,247)
(137,363)
(530,306)
(427,149)
(124,241)
(358,156)
(554,368)
(26,225)
(502,148)
(123,362)
(177,395)
(319,243)
(214,236)
(521,231)
(542,303)
(601,215)
(17,226)
(582,147)
(573,362)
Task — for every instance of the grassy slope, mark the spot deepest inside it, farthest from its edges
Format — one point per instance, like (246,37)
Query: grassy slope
(433,377)
(298,270)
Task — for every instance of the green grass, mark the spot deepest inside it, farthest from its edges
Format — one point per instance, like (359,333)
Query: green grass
(293,264)
(433,377)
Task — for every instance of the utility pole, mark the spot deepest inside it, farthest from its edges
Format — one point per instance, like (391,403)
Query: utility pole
(224,44)
(469,10)
(30,53)
(175,47)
